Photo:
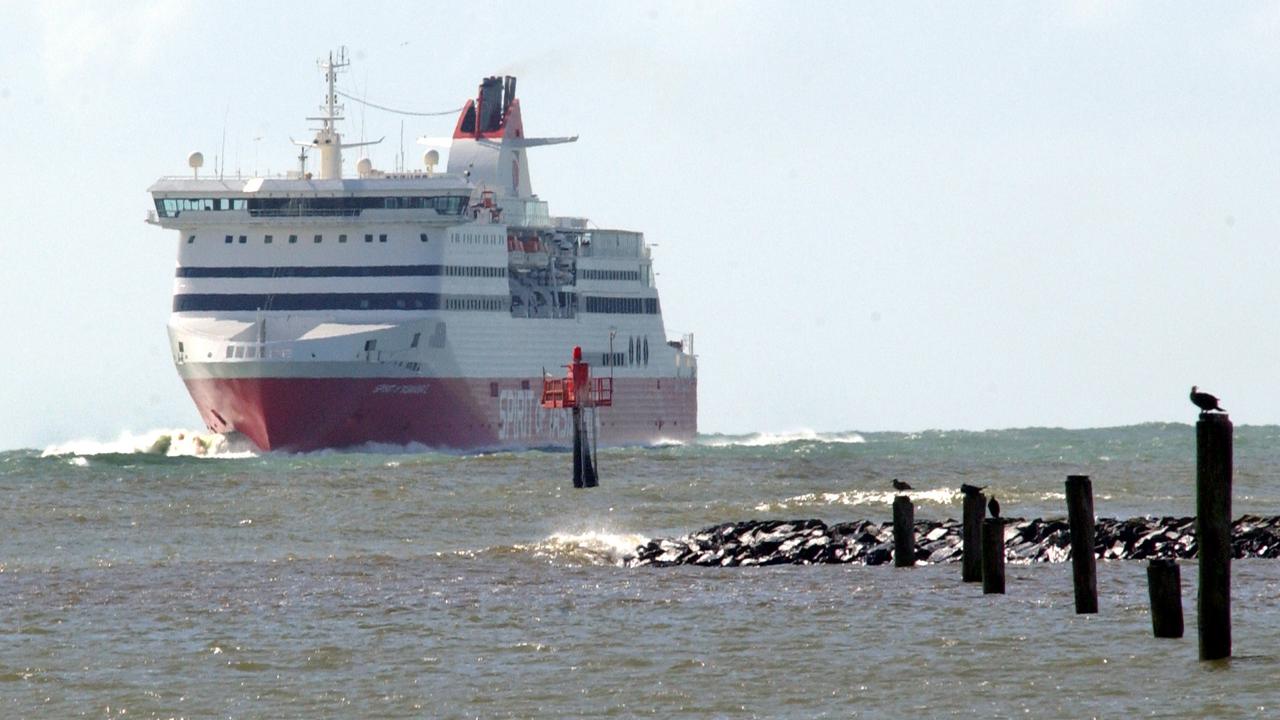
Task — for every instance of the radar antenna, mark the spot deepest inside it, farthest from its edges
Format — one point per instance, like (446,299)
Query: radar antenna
(328,140)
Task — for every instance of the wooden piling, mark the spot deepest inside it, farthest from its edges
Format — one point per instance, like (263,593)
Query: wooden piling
(1213,534)
(1164,586)
(975,509)
(1084,568)
(993,556)
(904,532)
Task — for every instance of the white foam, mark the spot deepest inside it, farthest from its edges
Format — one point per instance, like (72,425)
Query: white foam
(765,439)
(165,442)
(939,496)
(593,545)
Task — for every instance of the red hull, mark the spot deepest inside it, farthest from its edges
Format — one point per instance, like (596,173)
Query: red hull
(300,414)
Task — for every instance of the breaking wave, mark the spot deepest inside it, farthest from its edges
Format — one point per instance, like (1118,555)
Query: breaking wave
(766,439)
(938,496)
(587,548)
(160,443)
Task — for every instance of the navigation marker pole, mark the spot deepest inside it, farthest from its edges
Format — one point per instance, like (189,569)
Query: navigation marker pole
(577,391)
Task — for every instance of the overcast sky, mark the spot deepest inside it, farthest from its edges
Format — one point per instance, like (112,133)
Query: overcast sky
(890,216)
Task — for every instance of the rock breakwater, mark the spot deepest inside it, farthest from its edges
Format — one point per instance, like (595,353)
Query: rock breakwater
(812,542)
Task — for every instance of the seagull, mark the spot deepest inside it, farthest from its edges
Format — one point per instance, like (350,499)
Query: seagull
(993,506)
(899,485)
(1205,401)
(971,489)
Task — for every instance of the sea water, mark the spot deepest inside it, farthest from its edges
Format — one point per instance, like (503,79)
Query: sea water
(160,576)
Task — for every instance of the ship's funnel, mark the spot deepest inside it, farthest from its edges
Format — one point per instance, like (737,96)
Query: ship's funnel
(491,105)
(489,142)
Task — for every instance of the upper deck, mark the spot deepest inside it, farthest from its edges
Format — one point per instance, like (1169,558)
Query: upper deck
(186,201)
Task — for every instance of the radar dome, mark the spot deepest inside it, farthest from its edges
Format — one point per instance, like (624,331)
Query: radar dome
(195,160)
(364,166)
(431,158)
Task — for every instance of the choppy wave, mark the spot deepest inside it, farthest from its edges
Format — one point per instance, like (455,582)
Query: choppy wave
(768,439)
(588,548)
(939,496)
(162,443)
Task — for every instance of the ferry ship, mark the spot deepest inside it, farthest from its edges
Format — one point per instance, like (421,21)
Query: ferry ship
(320,310)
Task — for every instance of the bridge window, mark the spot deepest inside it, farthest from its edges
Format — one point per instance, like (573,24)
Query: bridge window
(422,237)
(244,239)
(191,239)
(228,240)
(342,238)
(293,238)
(368,238)
(382,238)
(266,239)
(319,238)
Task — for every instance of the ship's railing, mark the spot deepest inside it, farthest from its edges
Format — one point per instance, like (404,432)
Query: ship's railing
(561,393)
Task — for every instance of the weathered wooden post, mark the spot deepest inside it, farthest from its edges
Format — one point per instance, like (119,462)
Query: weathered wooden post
(904,532)
(1084,565)
(975,509)
(1164,585)
(1213,533)
(993,556)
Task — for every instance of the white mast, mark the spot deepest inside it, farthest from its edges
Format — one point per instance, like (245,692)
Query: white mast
(328,140)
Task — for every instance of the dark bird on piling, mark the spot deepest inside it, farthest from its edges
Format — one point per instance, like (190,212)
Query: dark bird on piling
(899,485)
(1205,401)
(993,506)
(971,489)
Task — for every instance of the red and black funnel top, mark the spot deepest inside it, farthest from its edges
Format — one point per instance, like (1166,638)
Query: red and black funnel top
(489,114)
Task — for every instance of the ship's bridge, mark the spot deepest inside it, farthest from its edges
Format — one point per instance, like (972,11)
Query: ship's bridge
(289,197)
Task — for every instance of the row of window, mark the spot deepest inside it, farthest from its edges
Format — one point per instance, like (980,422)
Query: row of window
(626,306)
(293,239)
(633,275)
(302,206)
(248,302)
(318,271)
(474,271)
(170,207)
(461,238)
(212,302)
(477,302)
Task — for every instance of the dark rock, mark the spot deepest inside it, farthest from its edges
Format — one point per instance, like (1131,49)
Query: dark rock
(807,542)
(879,555)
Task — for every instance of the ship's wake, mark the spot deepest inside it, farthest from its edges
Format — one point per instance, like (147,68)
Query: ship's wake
(158,443)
